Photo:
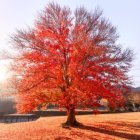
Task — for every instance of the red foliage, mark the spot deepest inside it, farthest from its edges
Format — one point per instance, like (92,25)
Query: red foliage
(70,60)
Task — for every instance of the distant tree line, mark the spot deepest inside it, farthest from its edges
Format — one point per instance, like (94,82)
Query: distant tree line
(7,106)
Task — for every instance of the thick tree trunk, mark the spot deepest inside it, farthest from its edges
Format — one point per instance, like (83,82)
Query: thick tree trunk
(71,119)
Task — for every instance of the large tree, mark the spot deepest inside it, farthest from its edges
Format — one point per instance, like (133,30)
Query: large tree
(69,59)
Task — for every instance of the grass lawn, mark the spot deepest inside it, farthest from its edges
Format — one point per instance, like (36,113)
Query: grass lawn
(95,127)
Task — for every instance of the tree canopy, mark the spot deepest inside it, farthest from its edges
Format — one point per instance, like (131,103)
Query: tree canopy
(70,59)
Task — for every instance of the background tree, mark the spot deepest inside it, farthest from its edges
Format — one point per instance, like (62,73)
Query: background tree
(132,100)
(70,60)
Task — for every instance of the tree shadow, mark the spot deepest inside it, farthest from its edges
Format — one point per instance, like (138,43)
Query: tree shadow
(63,138)
(107,130)
(133,125)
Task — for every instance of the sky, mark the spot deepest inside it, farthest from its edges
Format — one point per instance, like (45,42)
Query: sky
(124,14)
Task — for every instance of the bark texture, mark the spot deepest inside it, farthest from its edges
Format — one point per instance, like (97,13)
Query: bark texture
(71,119)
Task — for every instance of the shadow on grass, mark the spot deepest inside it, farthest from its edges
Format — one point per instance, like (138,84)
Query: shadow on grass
(63,138)
(105,129)
(126,124)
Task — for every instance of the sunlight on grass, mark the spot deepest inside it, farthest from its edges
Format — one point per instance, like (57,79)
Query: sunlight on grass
(96,127)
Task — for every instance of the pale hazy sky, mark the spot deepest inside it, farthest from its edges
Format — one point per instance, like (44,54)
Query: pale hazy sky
(124,14)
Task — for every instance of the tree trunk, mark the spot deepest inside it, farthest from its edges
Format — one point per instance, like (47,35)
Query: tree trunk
(71,119)
(134,107)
